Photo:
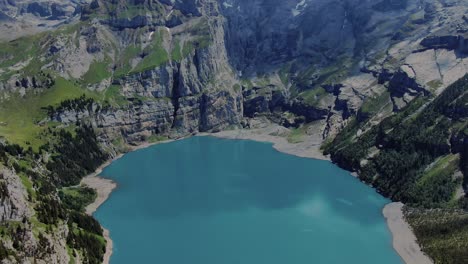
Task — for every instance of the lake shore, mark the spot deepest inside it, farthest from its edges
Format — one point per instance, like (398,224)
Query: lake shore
(404,240)
(104,188)
(308,148)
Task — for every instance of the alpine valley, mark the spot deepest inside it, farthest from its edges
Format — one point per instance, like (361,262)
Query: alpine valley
(379,86)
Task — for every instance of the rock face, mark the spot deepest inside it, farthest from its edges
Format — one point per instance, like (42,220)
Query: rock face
(45,9)
(177,117)
(178,97)
(27,17)
(180,65)
(401,83)
(176,67)
(263,33)
(459,43)
(13,200)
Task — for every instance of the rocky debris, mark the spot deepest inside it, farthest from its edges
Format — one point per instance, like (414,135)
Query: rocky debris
(13,197)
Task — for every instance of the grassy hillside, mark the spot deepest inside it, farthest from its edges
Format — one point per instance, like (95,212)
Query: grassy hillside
(20,115)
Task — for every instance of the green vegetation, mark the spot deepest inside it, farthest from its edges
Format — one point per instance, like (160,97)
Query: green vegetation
(79,156)
(408,143)
(19,50)
(156,138)
(438,179)
(73,156)
(28,185)
(442,233)
(124,63)
(374,104)
(77,198)
(154,55)
(313,96)
(284,73)
(92,246)
(434,84)
(114,97)
(20,116)
(51,158)
(176,54)
(98,71)
(297,135)
(419,151)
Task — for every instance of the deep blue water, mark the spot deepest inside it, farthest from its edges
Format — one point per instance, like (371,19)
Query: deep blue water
(205,200)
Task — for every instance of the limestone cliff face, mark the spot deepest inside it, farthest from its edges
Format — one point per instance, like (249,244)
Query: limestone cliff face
(27,17)
(314,59)
(178,96)
(13,200)
(173,68)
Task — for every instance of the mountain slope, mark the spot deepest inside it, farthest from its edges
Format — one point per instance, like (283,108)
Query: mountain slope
(376,82)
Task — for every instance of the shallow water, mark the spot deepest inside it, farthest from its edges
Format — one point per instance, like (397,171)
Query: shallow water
(205,200)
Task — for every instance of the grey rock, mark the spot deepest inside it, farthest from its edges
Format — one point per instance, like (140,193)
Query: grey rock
(446,42)
(13,202)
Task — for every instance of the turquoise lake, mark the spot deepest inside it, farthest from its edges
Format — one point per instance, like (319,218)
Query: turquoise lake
(205,200)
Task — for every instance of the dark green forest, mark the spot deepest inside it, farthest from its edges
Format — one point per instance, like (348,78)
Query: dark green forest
(413,157)
(56,194)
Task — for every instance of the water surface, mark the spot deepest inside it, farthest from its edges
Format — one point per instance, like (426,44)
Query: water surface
(205,200)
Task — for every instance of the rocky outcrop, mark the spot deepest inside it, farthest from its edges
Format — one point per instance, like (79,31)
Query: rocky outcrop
(177,67)
(52,11)
(401,84)
(43,9)
(268,99)
(177,117)
(449,42)
(273,102)
(13,197)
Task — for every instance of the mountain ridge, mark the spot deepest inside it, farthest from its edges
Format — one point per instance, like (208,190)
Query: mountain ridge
(119,73)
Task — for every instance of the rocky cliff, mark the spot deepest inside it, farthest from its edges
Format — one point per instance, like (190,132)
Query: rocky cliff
(25,17)
(143,70)
(14,205)
(16,212)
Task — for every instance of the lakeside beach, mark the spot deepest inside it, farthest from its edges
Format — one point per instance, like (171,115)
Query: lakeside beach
(404,241)
(104,188)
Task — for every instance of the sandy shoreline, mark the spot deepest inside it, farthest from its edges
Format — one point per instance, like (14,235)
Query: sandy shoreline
(306,149)
(404,241)
(104,188)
